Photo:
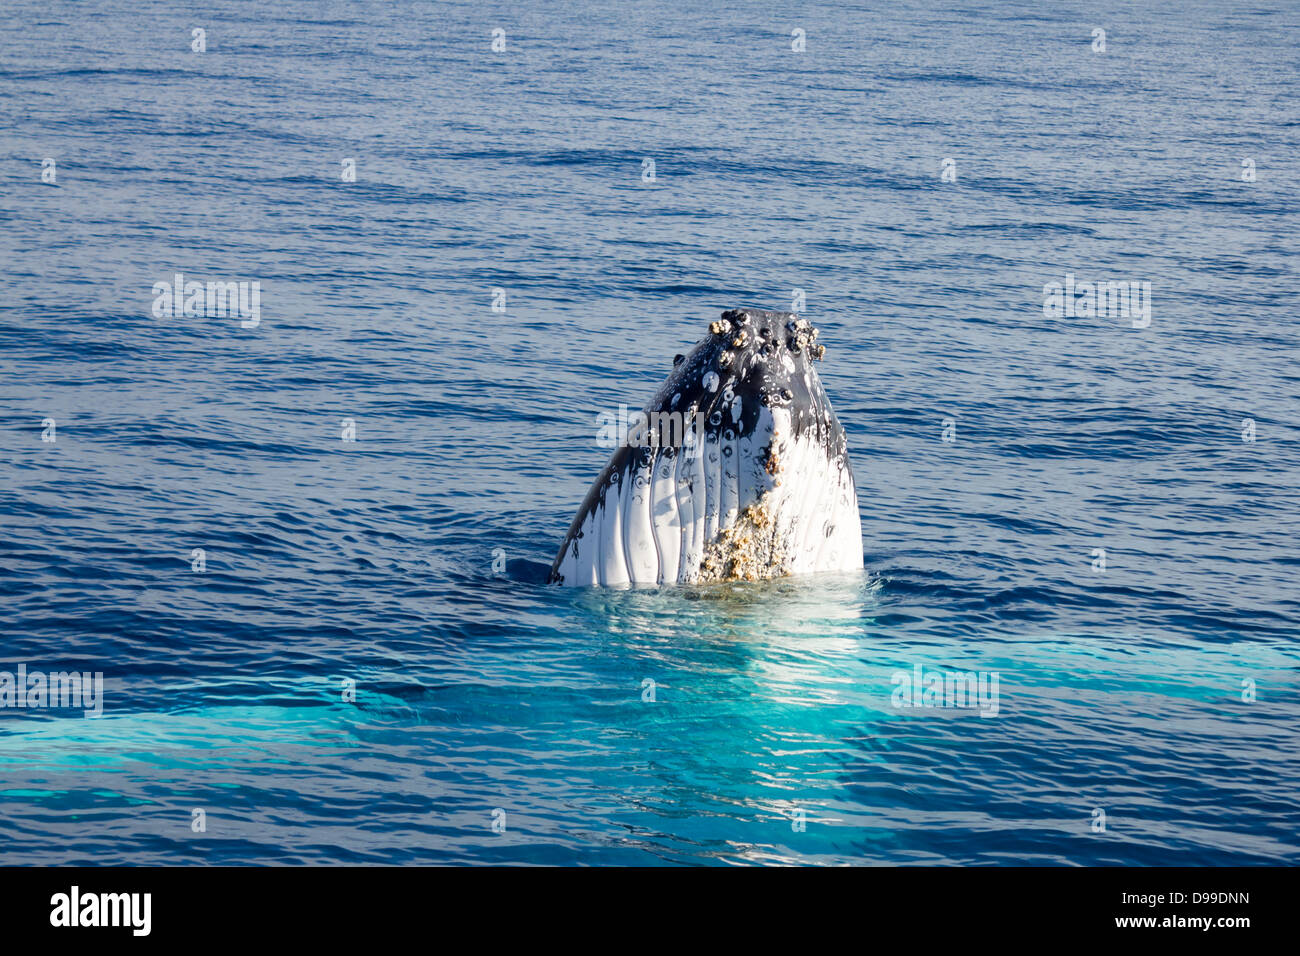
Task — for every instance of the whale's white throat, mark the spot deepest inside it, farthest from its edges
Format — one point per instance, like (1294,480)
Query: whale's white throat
(760,487)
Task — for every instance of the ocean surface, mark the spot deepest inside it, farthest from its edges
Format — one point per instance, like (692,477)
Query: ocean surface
(368,668)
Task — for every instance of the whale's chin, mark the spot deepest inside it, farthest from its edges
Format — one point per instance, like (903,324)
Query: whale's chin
(738,470)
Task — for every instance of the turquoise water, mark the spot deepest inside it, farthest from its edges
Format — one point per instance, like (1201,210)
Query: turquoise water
(773,734)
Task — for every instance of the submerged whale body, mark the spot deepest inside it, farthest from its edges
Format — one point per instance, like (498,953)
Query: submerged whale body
(737,469)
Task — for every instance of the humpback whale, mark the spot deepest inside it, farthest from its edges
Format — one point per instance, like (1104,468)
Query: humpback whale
(736,470)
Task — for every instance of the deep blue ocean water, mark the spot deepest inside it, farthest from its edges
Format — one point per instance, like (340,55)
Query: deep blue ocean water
(1125,692)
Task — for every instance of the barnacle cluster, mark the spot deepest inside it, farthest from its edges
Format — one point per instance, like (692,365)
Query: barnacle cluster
(747,551)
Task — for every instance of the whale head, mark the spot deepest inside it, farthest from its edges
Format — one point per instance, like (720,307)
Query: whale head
(736,469)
